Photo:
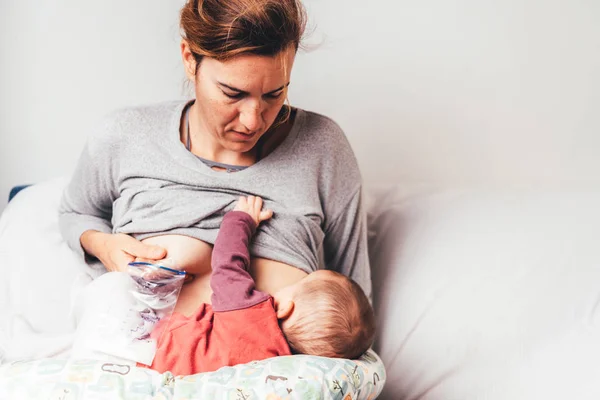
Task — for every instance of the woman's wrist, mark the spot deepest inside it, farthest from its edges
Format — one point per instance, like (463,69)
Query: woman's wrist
(89,241)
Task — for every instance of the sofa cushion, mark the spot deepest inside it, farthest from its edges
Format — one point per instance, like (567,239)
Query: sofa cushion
(487,294)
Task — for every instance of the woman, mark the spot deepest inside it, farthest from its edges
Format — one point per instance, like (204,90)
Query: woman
(154,182)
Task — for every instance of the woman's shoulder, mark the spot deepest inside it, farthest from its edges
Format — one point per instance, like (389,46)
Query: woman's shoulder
(142,115)
(322,145)
(124,122)
(322,135)
(315,122)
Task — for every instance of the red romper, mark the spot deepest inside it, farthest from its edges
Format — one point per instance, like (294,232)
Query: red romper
(240,326)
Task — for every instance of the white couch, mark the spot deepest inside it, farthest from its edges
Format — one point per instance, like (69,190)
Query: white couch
(479,294)
(486,294)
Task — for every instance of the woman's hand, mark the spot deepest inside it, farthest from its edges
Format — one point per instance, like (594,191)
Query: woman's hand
(252,205)
(115,251)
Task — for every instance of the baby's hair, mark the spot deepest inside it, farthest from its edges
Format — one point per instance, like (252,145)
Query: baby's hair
(335,319)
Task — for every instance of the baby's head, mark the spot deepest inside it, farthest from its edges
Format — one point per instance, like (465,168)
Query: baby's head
(326,314)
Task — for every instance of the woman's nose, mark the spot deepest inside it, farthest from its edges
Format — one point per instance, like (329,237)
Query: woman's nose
(251,117)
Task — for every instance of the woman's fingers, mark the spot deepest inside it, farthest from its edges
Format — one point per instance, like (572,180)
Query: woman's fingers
(138,249)
(120,261)
(145,260)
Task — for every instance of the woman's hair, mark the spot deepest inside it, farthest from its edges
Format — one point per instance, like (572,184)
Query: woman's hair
(335,319)
(223,29)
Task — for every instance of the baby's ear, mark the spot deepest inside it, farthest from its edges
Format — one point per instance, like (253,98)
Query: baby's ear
(284,309)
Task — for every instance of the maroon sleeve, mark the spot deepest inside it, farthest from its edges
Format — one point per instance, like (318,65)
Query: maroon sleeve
(232,285)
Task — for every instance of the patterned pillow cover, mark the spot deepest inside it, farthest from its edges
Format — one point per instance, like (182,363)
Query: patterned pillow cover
(290,377)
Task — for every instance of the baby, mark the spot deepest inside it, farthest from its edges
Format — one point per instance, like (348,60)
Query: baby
(324,314)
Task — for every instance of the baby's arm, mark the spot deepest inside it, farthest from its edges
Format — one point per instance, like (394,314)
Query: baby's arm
(233,287)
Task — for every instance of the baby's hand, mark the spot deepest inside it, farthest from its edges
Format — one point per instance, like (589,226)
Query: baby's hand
(252,205)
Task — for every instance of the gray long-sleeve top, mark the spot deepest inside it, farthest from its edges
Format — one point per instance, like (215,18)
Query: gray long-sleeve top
(134,176)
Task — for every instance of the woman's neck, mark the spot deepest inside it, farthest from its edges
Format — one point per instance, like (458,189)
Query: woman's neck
(205,145)
(208,147)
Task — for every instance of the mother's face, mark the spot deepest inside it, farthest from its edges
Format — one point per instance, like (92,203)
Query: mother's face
(238,100)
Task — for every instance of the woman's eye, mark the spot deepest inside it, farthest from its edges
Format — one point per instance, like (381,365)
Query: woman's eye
(274,95)
(233,95)
(237,96)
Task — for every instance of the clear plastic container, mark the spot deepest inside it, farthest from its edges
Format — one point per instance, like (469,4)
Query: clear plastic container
(129,312)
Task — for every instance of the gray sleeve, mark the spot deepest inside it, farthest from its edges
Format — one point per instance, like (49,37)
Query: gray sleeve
(345,246)
(87,201)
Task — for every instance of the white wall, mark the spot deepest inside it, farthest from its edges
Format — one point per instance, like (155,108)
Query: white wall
(65,63)
(463,92)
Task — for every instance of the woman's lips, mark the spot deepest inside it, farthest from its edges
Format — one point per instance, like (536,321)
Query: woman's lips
(243,136)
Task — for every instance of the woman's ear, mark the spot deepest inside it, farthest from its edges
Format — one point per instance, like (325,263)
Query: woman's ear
(284,309)
(189,62)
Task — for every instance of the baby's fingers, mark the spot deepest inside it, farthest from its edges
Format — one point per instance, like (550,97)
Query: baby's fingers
(258,203)
(241,204)
(265,215)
